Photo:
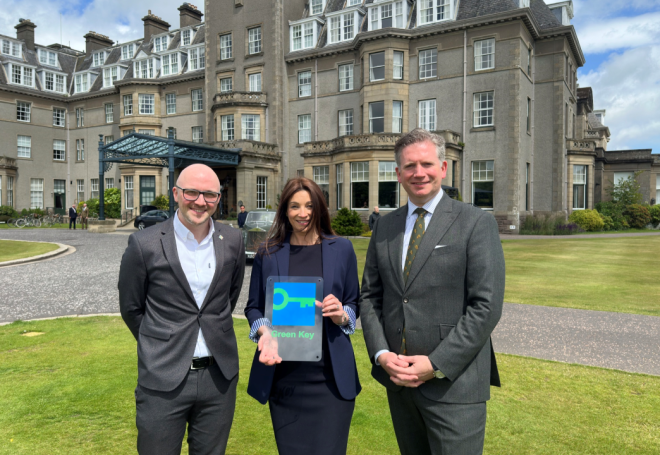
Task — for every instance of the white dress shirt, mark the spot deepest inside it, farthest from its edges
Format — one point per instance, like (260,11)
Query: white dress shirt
(198,264)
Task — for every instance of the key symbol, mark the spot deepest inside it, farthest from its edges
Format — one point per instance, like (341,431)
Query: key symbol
(303,301)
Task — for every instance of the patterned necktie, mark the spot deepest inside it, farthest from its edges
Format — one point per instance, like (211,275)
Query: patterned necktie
(415,241)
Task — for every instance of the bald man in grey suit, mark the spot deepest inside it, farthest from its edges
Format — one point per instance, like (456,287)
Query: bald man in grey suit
(432,293)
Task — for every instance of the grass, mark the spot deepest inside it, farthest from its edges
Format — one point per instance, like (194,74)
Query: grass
(607,274)
(11,250)
(75,385)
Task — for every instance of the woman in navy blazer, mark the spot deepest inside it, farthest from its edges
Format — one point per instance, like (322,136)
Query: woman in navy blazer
(311,403)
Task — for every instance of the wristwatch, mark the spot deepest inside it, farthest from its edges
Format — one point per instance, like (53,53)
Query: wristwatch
(438,374)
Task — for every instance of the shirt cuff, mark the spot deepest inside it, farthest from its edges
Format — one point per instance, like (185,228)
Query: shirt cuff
(349,329)
(256,326)
(382,351)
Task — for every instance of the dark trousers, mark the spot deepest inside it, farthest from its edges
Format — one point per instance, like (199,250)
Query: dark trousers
(72,221)
(205,401)
(426,427)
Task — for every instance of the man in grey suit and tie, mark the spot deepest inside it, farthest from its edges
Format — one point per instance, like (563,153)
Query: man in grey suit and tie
(179,282)
(432,293)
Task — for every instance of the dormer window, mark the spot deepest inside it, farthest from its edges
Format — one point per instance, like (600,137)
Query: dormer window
(145,69)
(83,81)
(47,57)
(344,25)
(187,36)
(53,82)
(353,2)
(524,3)
(128,51)
(386,15)
(317,7)
(170,64)
(20,74)
(110,75)
(196,58)
(11,48)
(98,59)
(304,35)
(432,11)
(563,11)
(160,43)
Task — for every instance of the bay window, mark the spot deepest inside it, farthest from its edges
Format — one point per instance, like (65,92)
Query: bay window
(482,184)
(360,185)
(579,187)
(388,185)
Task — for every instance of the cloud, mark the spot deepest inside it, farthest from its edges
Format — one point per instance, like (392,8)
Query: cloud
(619,33)
(80,17)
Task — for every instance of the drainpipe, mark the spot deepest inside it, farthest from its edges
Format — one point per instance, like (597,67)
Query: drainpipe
(316,100)
(463,166)
(533,115)
(68,161)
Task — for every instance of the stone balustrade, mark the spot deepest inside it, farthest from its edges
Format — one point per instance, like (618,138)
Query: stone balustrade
(7,162)
(254,147)
(239,98)
(358,141)
(580,145)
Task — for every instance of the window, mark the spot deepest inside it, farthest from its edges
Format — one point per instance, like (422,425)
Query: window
(47,57)
(80,185)
(94,183)
(346,122)
(36,193)
(80,117)
(527,188)
(197,134)
(127,51)
(484,54)
(170,103)
(377,117)
(58,117)
(108,139)
(340,185)
(98,59)
(579,187)
(529,115)
(388,185)
(250,127)
(431,11)
(483,109)
(304,128)
(391,15)
(482,184)
(80,149)
(353,2)
(160,43)
(147,132)
(11,48)
(427,115)
(529,61)
(398,65)
(305,83)
(321,176)
(53,82)
(302,36)
(144,69)
(166,132)
(225,47)
(10,191)
(227,127)
(197,99)
(186,37)
(196,59)
(342,28)
(262,186)
(254,82)
(128,191)
(360,185)
(128,104)
(59,150)
(109,113)
(397,116)
(345,77)
(22,75)
(82,83)
(377,66)
(24,147)
(146,103)
(109,76)
(254,40)
(170,64)
(109,182)
(226,84)
(428,63)
(126,132)
(317,6)
(619,177)
(23,111)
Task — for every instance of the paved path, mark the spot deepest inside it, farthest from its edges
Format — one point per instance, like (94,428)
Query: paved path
(85,282)
(576,236)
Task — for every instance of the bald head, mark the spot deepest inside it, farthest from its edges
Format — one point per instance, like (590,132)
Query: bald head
(199,177)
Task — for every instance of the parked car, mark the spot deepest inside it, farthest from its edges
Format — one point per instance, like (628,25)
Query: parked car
(150,218)
(255,230)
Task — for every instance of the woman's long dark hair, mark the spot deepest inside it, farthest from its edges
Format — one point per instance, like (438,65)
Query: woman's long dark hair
(320,220)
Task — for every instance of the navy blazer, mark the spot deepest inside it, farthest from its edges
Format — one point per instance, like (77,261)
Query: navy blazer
(340,279)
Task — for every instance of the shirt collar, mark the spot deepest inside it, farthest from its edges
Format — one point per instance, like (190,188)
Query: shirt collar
(184,233)
(429,206)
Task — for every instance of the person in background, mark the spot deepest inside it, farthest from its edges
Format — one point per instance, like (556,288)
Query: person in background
(73,214)
(242,216)
(84,213)
(375,216)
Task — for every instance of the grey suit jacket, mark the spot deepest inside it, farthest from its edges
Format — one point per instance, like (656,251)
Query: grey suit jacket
(158,306)
(450,304)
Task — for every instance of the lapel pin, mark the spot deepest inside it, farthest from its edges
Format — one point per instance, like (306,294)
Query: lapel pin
(221,237)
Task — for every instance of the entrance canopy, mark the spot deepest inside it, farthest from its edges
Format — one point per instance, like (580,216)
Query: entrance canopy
(147,150)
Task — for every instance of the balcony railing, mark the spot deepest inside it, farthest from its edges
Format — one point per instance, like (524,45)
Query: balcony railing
(6,162)
(239,98)
(248,146)
(384,140)
(580,145)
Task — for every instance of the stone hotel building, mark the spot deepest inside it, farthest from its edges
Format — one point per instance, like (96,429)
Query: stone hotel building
(320,88)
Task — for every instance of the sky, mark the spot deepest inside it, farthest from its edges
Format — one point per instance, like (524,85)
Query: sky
(619,38)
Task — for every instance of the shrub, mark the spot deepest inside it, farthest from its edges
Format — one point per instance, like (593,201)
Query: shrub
(93,206)
(608,223)
(6,210)
(564,228)
(162,202)
(112,203)
(614,211)
(39,212)
(638,216)
(366,234)
(655,215)
(589,220)
(538,225)
(626,192)
(347,222)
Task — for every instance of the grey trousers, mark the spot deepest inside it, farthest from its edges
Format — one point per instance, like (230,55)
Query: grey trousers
(426,427)
(205,401)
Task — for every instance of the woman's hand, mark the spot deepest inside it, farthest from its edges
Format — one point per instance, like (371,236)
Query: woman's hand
(333,309)
(267,347)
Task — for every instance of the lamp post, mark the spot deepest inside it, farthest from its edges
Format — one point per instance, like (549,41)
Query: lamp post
(170,162)
(101,182)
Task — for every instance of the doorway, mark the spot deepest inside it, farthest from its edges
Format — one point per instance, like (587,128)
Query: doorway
(147,189)
(59,196)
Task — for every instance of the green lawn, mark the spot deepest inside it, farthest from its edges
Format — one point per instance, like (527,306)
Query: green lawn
(70,391)
(609,274)
(11,250)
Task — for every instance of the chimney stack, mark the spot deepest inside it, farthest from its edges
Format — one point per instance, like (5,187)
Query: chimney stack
(153,25)
(95,41)
(189,15)
(25,32)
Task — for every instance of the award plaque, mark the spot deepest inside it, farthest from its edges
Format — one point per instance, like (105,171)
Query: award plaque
(297,321)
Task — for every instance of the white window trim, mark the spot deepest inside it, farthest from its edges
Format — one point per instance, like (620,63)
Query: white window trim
(137,67)
(63,117)
(345,123)
(192,36)
(168,104)
(316,26)
(200,100)
(102,57)
(133,46)
(226,127)
(452,12)
(47,53)
(304,128)
(251,41)
(375,11)
(201,57)
(419,64)
(168,57)
(323,4)
(86,75)
(160,42)
(140,104)
(301,86)
(357,11)
(349,77)
(476,110)
(231,84)
(431,122)
(477,64)
(473,180)
(109,114)
(54,73)
(10,72)
(230,51)
(371,67)
(13,45)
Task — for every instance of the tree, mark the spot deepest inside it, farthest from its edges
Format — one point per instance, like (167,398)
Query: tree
(626,192)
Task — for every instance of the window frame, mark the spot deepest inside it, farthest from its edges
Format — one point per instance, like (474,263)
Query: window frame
(226,50)
(80,150)
(128,107)
(347,77)
(434,6)
(256,127)
(59,117)
(197,104)
(254,40)
(376,68)
(255,80)
(397,122)
(169,104)
(24,149)
(231,84)
(109,114)
(198,134)
(348,127)
(36,193)
(477,109)
(489,45)
(168,62)
(227,126)
(428,67)
(387,175)
(304,84)
(59,150)
(345,29)
(197,56)
(580,179)
(359,174)
(262,191)
(23,109)
(304,128)
(128,186)
(143,104)
(483,173)
(125,54)
(427,114)
(377,118)
(397,70)
(26,75)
